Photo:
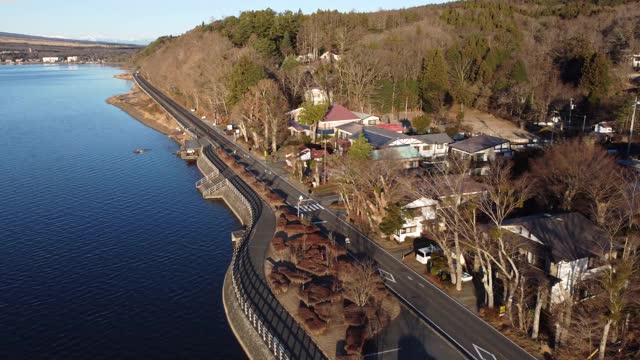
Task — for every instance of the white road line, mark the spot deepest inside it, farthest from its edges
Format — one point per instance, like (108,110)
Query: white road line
(232,144)
(382,352)
(409,277)
(420,284)
(484,354)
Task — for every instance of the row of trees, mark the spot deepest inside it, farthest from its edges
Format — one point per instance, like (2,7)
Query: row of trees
(497,57)
(572,176)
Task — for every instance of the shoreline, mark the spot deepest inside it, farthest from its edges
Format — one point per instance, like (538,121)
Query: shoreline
(143,109)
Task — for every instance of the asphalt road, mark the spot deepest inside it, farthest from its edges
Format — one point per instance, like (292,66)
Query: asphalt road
(451,320)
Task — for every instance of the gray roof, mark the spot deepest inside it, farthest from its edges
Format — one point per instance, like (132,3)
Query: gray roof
(566,236)
(192,144)
(478,143)
(440,138)
(362,116)
(380,137)
(351,128)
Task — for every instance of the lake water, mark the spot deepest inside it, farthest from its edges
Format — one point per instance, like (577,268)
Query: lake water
(104,254)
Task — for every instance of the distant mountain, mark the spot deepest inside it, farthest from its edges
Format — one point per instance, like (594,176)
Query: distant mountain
(32,38)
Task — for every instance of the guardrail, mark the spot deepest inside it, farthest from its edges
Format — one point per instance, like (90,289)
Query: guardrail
(285,338)
(254,205)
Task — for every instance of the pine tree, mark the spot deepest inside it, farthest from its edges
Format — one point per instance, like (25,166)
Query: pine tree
(360,149)
(596,79)
(434,81)
(312,115)
(243,76)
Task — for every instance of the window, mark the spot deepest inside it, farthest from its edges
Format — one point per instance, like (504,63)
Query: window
(371,122)
(439,146)
(408,230)
(426,147)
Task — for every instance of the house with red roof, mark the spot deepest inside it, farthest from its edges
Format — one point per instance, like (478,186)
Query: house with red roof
(336,115)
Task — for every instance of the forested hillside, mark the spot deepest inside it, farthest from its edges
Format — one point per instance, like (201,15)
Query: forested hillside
(516,59)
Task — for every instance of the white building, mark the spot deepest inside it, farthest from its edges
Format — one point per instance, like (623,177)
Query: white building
(567,247)
(603,127)
(329,57)
(317,96)
(416,212)
(367,119)
(635,61)
(72,59)
(50,59)
(481,148)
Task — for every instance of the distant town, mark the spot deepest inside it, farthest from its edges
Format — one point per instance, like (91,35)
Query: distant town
(17,49)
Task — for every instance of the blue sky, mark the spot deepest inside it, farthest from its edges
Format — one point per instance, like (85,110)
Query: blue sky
(135,20)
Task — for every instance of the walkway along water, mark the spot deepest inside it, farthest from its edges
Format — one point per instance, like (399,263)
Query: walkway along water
(281,333)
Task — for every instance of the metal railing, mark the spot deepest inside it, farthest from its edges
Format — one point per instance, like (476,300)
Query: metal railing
(284,337)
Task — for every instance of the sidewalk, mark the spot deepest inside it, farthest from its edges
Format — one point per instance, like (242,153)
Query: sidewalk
(251,343)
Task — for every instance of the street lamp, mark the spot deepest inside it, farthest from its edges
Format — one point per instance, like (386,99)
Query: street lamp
(571,106)
(300,198)
(633,119)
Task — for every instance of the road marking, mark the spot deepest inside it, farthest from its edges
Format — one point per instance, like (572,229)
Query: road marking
(482,352)
(420,284)
(409,277)
(386,275)
(231,144)
(319,222)
(382,352)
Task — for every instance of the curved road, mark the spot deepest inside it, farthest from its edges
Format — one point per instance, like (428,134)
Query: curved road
(463,329)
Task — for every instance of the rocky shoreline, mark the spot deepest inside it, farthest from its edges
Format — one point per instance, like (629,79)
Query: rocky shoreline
(139,106)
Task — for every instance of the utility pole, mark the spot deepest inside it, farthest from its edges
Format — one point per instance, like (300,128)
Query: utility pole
(584,121)
(570,109)
(324,166)
(633,119)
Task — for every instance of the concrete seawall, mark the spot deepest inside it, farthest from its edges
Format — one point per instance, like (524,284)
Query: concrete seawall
(226,191)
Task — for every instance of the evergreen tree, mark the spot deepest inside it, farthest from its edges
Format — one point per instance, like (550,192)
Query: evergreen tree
(421,124)
(393,221)
(243,76)
(360,149)
(434,81)
(311,115)
(596,79)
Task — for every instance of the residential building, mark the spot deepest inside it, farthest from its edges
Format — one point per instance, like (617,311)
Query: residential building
(429,146)
(304,155)
(416,212)
(603,127)
(367,119)
(329,57)
(424,209)
(407,155)
(50,59)
(434,146)
(481,148)
(346,134)
(567,247)
(317,96)
(71,59)
(336,115)
(635,61)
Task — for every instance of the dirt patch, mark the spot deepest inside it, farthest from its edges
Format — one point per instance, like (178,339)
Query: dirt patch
(484,123)
(125,76)
(137,104)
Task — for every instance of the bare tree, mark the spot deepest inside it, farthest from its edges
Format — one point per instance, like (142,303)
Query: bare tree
(448,187)
(368,194)
(503,195)
(360,284)
(358,72)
